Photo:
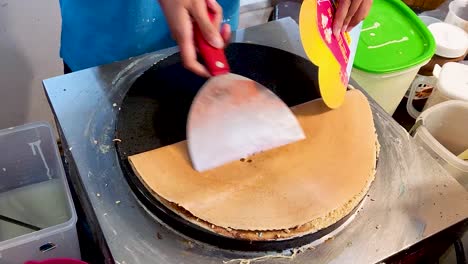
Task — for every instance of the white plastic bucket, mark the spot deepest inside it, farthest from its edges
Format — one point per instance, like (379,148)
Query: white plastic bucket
(387,89)
(443,131)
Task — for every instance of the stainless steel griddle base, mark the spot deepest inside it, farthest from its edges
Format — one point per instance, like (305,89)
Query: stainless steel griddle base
(411,199)
(154,112)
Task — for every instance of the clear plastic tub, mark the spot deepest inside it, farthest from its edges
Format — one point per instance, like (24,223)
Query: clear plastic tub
(387,89)
(442,131)
(37,216)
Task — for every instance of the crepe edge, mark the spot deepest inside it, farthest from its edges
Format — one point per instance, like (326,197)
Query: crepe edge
(312,226)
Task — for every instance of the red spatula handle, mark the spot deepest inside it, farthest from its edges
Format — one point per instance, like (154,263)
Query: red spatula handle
(215,59)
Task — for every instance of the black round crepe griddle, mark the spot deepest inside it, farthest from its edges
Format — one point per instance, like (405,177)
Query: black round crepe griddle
(154,113)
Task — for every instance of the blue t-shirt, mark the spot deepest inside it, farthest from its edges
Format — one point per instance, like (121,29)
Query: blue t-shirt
(96,32)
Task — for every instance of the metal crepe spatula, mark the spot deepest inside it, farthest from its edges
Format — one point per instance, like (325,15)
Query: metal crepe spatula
(233,117)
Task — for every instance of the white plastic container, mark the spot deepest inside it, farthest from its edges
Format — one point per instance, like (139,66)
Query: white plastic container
(451,45)
(443,131)
(387,89)
(452,84)
(393,45)
(35,194)
(458,14)
(451,41)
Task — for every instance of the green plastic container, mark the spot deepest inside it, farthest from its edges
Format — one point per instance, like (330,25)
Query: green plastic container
(394,44)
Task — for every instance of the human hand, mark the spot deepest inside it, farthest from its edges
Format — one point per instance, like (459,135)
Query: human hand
(349,13)
(181,13)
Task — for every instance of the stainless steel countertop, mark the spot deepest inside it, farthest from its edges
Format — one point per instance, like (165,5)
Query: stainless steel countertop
(411,199)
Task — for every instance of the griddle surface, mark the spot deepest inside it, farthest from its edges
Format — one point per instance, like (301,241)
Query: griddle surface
(154,114)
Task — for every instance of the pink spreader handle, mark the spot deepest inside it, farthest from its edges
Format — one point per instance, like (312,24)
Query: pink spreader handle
(215,59)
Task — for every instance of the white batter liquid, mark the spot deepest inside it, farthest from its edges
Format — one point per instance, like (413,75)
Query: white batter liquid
(389,43)
(376,25)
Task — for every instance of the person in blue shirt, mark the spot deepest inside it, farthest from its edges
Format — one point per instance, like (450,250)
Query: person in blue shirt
(96,32)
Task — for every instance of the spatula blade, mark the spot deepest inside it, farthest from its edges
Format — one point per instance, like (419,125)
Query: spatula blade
(233,117)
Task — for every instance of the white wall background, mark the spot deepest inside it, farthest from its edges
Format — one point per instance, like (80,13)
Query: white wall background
(29,53)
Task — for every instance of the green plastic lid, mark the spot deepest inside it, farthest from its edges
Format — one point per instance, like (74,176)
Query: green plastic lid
(393,38)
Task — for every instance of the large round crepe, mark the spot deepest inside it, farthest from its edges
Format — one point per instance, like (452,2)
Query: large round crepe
(311,183)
